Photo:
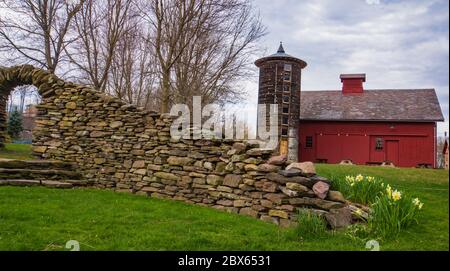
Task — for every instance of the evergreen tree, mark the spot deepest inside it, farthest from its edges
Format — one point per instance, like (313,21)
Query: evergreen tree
(14,124)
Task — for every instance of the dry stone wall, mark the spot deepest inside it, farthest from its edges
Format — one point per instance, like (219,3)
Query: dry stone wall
(127,149)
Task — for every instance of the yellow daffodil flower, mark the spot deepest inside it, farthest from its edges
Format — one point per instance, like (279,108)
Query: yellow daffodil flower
(389,191)
(396,195)
(359,178)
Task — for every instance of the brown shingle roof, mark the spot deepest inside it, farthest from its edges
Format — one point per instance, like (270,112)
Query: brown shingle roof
(419,105)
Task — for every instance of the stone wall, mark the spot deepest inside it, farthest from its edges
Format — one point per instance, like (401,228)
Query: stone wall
(125,148)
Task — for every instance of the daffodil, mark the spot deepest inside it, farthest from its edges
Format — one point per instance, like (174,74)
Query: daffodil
(389,191)
(359,178)
(350,179)
(396,195)
(416,201)
(370,179)
(420,205)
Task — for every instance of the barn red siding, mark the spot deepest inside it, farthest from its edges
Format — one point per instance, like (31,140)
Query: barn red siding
(405,144)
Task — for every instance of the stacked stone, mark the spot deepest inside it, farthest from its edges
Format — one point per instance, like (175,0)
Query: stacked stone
(235,177)
(127,149)
(23,75)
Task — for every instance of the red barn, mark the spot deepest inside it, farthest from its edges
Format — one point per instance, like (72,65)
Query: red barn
(369,126)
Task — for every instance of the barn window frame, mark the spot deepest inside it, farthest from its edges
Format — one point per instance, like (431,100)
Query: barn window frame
(309,142)
(379,144)
(287,76)
(285,120)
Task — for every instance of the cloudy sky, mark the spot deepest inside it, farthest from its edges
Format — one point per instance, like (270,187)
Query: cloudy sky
(398,44)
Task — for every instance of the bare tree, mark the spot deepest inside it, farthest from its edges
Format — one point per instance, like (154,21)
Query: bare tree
(99,26)
(36,31)
(132,73)
(211,66)
(200,46)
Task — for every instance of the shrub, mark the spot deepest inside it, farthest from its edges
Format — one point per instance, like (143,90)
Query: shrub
(310,224)
(14,125)
(392,212)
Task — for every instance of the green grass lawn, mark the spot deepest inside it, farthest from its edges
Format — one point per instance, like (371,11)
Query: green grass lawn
(38,218)
(16,151)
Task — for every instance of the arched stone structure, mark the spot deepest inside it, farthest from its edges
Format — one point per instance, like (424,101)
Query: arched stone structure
(121,147)
(15,76)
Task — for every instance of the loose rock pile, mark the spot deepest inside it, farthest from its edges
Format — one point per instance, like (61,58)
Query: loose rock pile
(127,149)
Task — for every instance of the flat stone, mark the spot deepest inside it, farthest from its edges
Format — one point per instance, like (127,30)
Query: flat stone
(96,134)
(239,147)
(99,161)
(71,105)
(65,124)
(339,218)
(116,124)
(297,187)
(277,160)
(224,189)
(19,182)
(141,171)
(267,168)
(306,167)
(39,149)
(225,202)
(296,179)
(278,213)
(269,187)
(266,203)
(290,172)
(232,180)
(239,203)
(179,161)
(288,192)
(214,180)
(167,176)
(251,167)
(321,189)
(138,164)
(316,203)
(249,212)
(276,198)
(335,196)
(259,152)
(56,184)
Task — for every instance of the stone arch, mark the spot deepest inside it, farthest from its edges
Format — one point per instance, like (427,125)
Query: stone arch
(11,77)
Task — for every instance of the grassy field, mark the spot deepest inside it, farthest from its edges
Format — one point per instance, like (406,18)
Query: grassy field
(16,151)
(45,219)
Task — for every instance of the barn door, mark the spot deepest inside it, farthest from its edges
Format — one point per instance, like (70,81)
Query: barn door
(392,151)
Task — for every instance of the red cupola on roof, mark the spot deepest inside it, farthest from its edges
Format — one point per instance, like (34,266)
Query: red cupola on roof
(353,83)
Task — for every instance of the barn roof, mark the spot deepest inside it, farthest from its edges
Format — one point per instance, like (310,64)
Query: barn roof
(415,105)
